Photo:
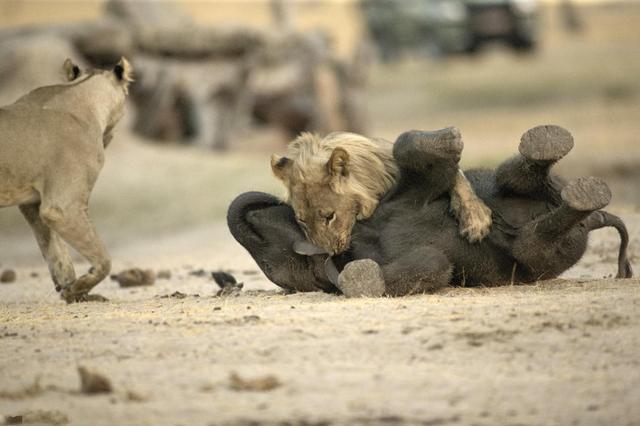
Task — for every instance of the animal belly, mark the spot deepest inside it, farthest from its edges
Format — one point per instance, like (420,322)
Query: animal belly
(17,196)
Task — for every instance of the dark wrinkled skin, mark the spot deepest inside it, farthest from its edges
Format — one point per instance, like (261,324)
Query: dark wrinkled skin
(414,238)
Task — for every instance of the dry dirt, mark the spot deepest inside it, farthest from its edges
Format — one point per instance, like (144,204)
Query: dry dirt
(558,352)
(561,352)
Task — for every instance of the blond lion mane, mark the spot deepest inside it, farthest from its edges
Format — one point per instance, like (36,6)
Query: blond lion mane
(372,170)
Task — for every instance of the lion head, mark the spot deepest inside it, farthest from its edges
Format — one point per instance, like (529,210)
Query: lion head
(334,181)
(117,79)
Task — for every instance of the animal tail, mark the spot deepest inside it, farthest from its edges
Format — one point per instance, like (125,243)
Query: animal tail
(600,219)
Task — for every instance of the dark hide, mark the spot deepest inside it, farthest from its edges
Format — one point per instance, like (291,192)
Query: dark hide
(540,224)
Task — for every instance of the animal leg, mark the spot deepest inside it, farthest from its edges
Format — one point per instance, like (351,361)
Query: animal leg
(419,149)
(72,223)
(528,173)
(422,270)
(362,278)
(555,241)
(52,247)
(474,217)
(431,157)
(434,156)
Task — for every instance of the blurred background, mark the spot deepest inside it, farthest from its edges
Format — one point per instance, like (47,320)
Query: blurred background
(220,85)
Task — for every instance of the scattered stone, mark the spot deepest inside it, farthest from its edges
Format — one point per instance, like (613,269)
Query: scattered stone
(258,384)
(135,277)
(175,295)
(8,276)
(247,319)
(198,273)
(92,382)
(228,284)
(39,417)
(164,274)
(134,396)
(13,420)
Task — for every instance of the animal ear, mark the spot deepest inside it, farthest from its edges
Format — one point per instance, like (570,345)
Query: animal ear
(71,70)
(280,166)
(338,163)
(123,72)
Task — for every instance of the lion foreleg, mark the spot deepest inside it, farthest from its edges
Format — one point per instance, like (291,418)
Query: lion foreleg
(474,217)
(52,247)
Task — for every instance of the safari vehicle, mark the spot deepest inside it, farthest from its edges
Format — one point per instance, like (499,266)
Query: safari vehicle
(441,27)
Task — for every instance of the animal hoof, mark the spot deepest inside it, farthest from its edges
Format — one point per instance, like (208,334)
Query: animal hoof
(445,143)
(586,194)
(361,278)
(546,143)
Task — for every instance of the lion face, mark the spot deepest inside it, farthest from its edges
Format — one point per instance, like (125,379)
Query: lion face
(333,182)
(325,209)
(325,216)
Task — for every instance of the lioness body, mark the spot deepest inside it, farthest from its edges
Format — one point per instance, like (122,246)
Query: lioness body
(52,143)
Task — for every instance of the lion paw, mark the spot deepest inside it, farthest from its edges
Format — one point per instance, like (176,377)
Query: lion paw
(82,297)
(475,223)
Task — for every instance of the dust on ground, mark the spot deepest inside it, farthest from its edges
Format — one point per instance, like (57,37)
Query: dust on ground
(557,352)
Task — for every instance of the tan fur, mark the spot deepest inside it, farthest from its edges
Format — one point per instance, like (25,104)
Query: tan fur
(52,144)
(346,175)
(372,169)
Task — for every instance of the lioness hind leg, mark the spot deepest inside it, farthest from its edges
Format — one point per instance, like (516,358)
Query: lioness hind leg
(555,241)
(528,173)
(52,247)
(72,223)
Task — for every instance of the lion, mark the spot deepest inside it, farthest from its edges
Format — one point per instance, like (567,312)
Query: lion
(334,181)
(52,143)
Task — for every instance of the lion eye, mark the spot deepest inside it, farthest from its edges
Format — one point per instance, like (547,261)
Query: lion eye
(328,218)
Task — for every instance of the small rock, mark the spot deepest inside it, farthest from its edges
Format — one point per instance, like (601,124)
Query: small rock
(134,396)
(164,274)
(198,273)
(228,284)
(259,384)
(135,277)
(92,382)
(38,417)
(8,276)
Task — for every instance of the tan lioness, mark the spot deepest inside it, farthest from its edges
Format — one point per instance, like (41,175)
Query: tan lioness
(52,143)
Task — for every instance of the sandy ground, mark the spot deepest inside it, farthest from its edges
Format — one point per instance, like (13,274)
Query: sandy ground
(558,352)
(561,352)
